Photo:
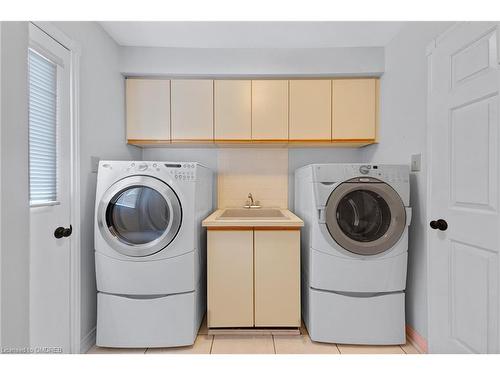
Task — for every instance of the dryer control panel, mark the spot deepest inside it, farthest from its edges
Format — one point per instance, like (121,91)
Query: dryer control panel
(182,171)
(178,171)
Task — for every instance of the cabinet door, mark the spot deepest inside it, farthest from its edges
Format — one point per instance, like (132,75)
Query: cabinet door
(192,110)
(230,278)
(233,110)
(354,104)
(270,110)
(148,109)
(310,110)
(277,278)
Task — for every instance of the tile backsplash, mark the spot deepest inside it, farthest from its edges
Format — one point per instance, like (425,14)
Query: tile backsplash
(263,173)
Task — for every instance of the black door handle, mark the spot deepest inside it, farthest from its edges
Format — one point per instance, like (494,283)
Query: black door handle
(439,224)
(61,232)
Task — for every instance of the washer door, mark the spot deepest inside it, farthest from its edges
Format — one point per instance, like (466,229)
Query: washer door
(365,218)
(139,215)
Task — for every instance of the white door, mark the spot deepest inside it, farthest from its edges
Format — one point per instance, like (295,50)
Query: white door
(50,176)
(464,190)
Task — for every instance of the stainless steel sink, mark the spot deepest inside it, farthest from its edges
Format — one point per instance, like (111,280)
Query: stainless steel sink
(252,214)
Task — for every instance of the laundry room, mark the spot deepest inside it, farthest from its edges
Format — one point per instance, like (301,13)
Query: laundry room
(228,186)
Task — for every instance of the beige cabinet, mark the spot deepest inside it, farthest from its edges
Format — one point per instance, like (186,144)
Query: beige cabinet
(310,110)
(232,110)
(354,103)
(148,110)
(230,278)
(253,278)
(270,110)
(277,278)
(192,110)
(293,112)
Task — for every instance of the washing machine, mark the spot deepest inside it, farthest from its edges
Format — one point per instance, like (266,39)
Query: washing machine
(354,251)
(150,252)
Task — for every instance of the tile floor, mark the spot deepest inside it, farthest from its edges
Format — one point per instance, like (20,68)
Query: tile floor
(265,344)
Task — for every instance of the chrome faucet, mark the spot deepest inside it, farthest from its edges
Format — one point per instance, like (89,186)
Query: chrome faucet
(251,203)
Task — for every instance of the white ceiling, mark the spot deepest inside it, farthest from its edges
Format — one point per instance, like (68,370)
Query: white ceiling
(252,34)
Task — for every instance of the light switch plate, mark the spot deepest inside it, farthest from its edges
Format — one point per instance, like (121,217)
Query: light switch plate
(416,162)
(94,163)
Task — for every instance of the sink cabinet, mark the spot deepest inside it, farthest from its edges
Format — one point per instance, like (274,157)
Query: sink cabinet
(230,278)
(253,277)
(277,278)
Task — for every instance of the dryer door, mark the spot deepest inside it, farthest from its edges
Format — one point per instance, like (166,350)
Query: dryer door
(139,215)
(365,216)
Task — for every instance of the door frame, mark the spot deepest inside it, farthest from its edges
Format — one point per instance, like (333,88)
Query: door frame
(428,159)
(428,144)
(75,279)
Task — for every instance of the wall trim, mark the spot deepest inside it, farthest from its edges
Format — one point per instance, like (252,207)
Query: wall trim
(88,341)
(418,341)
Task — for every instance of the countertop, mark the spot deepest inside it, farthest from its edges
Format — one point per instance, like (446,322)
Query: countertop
(290,220)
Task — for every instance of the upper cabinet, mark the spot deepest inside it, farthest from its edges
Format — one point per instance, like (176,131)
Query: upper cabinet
(192,110)
(148,110)
(270,110)
(303,112)
(354,108)
(233,110)
(310,110)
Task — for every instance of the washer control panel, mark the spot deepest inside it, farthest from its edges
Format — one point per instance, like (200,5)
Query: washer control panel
(388,173)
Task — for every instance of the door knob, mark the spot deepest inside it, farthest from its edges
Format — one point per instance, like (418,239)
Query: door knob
(439,224)
(61,232)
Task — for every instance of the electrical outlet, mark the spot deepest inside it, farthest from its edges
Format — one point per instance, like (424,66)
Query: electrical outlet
(416,162)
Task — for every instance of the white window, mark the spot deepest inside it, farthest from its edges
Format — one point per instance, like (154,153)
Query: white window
(42,129)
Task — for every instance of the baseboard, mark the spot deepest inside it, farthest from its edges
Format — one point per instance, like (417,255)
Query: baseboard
(419,342)
(291,331)
(88,341)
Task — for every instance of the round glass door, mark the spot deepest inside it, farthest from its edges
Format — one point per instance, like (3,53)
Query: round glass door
(365,218)
(139,215)
(363,215)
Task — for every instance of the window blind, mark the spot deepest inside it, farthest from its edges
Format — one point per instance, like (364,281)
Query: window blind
(42,129)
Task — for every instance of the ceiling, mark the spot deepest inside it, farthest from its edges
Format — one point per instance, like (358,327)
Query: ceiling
(252,34)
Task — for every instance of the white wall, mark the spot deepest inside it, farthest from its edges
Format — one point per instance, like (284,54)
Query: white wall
(102,134)
(14,197)
(403,133)
(249,62)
